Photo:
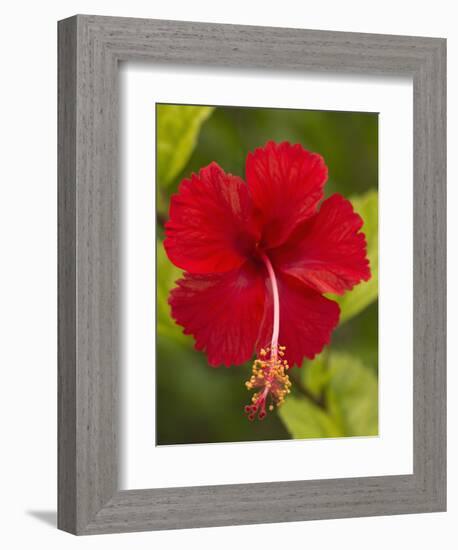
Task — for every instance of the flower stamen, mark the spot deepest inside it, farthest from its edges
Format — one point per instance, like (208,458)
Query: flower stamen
(270,378)
(268,374)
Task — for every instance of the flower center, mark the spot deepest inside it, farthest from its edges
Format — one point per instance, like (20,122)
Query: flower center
(268,374)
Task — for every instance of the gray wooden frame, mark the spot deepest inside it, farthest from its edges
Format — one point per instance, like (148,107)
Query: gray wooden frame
(90,49)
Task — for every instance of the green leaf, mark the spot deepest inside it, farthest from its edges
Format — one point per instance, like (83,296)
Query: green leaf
(167,275)
(353,302)
(352,395)
(315,374)
(305,420)
(178,127)
(349,392)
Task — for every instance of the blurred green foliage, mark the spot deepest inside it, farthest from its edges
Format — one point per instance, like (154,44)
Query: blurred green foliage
(177,131)
(351,303)
(340,398)
(334,395)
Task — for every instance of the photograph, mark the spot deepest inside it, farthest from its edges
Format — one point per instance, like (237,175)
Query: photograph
(266,274)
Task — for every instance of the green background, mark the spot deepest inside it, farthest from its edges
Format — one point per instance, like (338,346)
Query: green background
(336,394)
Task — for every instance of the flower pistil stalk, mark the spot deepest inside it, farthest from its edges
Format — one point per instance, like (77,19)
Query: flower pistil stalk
(268,374)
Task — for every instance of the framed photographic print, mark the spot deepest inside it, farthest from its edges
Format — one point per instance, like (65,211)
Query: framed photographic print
(251,275)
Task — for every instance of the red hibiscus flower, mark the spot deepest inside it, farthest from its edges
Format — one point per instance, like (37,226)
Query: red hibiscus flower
(258,257)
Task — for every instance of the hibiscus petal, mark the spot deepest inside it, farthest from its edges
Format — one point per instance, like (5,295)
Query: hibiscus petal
(328,252)
(222,311)
(307,320)
(211,227)
(286,184)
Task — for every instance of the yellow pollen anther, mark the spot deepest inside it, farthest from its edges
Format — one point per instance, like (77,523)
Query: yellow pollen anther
(270,378)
